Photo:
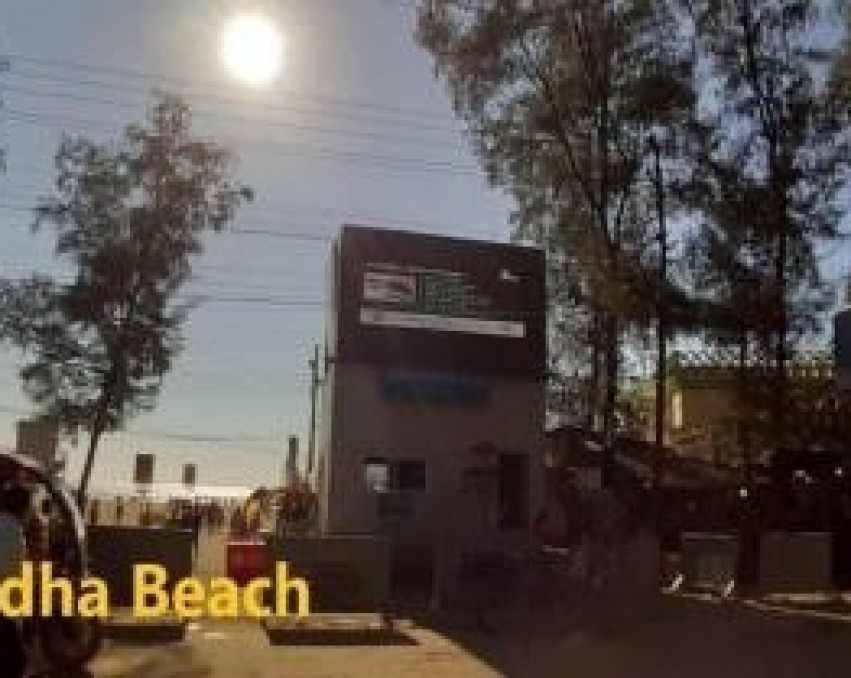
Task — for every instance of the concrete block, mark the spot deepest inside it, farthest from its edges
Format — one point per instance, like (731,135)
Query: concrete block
(114,551)
(345,573)
(709,560)
(796,562)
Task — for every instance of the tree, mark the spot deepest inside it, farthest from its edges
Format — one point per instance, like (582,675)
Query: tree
(129,217)
(561,97)
(772,158)
(841,71)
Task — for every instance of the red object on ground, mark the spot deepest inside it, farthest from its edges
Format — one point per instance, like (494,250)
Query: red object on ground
(247,560)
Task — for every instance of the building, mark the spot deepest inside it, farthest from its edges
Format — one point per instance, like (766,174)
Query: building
(432,416)
(38,438)
(708,403)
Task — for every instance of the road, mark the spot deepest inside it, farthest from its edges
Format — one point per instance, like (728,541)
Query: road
(680,639)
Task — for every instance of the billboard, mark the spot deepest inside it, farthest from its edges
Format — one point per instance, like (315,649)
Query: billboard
(39,438)
(410,300)
(143,472)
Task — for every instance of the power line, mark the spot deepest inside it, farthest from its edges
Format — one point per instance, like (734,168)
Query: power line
(124,73)
(279,302)
(304,127)
(203,438)
(377,160)
(340,218)
(267,232)
(172,435)
(335,114)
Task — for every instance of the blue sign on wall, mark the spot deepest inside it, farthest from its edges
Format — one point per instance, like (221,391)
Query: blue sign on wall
(434,388)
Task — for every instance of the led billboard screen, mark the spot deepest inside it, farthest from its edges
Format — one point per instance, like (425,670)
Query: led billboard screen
(431,302)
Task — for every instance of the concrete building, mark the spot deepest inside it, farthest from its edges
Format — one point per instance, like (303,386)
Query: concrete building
(706,406)
(432,414)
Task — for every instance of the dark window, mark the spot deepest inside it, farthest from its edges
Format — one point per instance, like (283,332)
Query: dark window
(386,475)
(410,475)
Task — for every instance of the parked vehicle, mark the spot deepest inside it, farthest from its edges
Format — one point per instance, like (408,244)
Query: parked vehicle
(68,643)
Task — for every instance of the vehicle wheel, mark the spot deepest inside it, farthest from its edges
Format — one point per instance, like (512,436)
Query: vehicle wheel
(70,642)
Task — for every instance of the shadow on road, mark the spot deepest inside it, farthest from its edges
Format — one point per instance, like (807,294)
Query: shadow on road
(674,639)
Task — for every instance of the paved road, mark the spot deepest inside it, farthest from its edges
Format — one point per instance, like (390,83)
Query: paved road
(680,639)
(683,639)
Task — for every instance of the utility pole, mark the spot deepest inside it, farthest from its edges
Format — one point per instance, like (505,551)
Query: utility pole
(314,389)
(291,462)
(661,328)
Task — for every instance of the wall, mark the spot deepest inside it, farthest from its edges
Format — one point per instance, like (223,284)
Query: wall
(367,424)
(471,313)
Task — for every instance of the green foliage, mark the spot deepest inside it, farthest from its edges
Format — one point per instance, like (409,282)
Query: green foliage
(770,153)
(129,217)
(561,98)
(749,103)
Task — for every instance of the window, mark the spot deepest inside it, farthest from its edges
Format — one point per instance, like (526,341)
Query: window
(677,410)
(394,481)
(410,475)
(395,475)
(377,474)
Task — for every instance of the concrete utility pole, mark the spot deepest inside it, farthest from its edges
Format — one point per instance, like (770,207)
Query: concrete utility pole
(314,389)
(291,462)
(661,328)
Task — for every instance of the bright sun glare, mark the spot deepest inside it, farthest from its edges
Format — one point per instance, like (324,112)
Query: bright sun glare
(252,48)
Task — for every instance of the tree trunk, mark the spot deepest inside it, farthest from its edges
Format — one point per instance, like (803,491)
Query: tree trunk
(742,433)
(611,393)
(94,439)
(778,423)
(593,388)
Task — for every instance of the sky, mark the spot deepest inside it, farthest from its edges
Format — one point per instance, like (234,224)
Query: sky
(355,130)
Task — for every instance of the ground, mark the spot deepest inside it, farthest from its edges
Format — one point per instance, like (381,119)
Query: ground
(679,638)
(672,637)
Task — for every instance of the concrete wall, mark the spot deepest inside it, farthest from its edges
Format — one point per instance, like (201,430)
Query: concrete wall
(706,405)
(114,551)
(796,562)
(344,573)
(789,562)
(709,560)
(366,424)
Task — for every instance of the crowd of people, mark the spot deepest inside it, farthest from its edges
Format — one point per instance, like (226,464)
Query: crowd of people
(209,514)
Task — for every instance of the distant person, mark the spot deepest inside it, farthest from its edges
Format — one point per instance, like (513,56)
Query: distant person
(94,511)
(37,531)
(238,525)
(195,522)
(14,505)
(119,510)
(281,523)
(218,516)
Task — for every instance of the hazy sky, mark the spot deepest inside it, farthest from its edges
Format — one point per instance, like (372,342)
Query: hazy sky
(355,129)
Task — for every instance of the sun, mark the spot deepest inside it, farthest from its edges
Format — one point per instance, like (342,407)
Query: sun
(252,48)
